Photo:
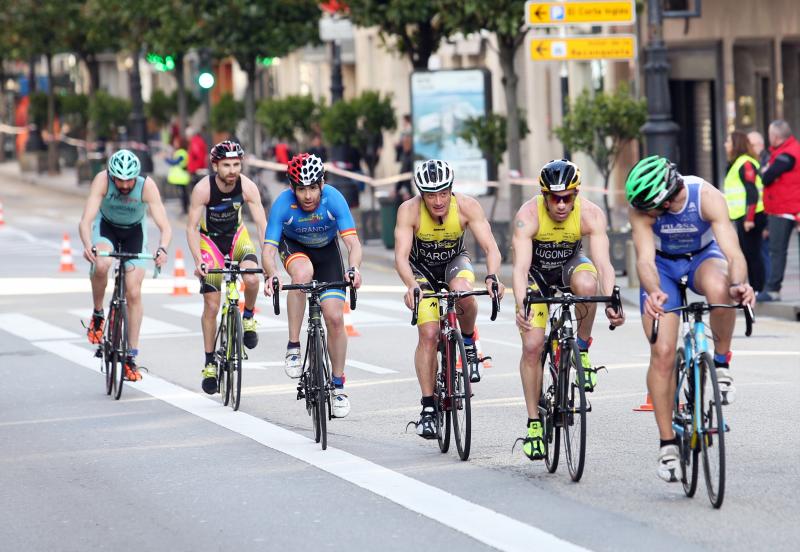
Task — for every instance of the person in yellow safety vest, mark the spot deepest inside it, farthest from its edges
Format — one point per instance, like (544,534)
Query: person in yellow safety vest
(744,194)
(177,174)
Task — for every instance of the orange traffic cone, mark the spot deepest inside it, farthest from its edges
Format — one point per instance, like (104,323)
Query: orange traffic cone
(348,321)
(647,406)
(179,285)
(2,221)
(66,255)
(241,300)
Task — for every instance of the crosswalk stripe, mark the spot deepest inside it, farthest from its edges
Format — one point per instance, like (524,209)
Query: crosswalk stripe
(33,329)
(369,367)
(150,326)
(266,320)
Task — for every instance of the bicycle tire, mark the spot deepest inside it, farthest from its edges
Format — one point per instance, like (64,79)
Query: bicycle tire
(223,383)
(573,404)
(108,339)
(548,402)
(441,403)
(712,430)
(682,415)
(460,399)
(235,361)
(320,392)
(120,348)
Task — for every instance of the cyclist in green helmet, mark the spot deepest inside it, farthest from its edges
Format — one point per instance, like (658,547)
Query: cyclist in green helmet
(681,229)
(114,218)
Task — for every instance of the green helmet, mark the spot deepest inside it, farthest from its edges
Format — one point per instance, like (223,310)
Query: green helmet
(124,165)
(651,182)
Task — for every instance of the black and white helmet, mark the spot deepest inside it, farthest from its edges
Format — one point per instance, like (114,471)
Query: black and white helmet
(305,169)
(433,176)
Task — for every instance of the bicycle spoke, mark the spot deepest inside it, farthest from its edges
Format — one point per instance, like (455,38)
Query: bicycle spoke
(574,410)
(547,411)
(712,432)
(682,421)
(460,397)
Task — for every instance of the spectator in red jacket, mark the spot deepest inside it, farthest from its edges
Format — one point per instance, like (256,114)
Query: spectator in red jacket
(781,178)
(198,155)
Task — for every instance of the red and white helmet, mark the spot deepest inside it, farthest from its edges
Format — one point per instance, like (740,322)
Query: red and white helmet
(305,169)
(227,149)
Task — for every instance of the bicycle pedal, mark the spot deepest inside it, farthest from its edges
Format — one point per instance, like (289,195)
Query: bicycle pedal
(410,424)
(480,360)
(244,355)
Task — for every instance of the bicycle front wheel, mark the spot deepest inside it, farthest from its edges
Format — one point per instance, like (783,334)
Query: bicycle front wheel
(712,431)
(461,394)
(442,403)
(573,403)
(108,358)
(548,404)
(320,390)
(235,360)
(223,382)
(120,348)
(683,418)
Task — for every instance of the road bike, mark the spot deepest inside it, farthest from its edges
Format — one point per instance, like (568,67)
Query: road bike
(315,384)
(229,350)
(452,392)
(697,415)
(113,350)
(562,404)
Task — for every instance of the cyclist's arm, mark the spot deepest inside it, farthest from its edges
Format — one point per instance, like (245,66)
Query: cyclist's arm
(645,244)
(526,225)
(354,251)
(403,238)
(151,196)
(97,190)
(346,226)
(200,198)
(268,261)
(594,223)
(715,210)
(253,198)
(273,233)
(482,230)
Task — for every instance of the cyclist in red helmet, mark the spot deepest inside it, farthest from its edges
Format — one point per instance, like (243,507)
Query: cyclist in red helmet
(218,232)
(304,224)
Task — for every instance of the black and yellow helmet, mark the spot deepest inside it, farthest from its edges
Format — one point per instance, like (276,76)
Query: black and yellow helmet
(559,175)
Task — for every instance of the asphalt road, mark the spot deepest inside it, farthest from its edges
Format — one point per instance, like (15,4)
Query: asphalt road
(168,467)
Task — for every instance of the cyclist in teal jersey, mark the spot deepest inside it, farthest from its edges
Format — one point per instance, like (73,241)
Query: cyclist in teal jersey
(115,218)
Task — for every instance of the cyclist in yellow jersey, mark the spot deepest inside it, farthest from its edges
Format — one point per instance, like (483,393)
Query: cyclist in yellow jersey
(430,255)
(548,230)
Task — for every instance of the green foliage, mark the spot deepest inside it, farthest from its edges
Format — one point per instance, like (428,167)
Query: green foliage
(226,114)
(288,118)
(415,27)
(339,123)
(505,18)
(160,107)
(37,111)
(107,113)
(489,134)
(601,125)
(74,112)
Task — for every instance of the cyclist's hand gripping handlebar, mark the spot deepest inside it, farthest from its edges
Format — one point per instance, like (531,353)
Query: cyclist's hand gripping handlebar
(749,319)
(351,275)
(495,300)
(416,307)
(616,304)
(276,300)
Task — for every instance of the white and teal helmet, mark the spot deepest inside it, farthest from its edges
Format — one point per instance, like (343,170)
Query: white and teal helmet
(433,176)
(124,165)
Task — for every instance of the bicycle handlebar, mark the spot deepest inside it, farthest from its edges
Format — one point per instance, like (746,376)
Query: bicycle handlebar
(236,270)
(700,308)
(313,287)
(457,295)
(531,298)
(122,255)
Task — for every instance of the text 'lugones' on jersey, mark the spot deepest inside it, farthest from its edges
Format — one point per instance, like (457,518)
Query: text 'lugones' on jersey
(684,231)
(313,229)
(123,209)
(223,210)
(556,242)
(437,241)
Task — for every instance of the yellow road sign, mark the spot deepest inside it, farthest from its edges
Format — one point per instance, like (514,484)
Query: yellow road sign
(599,12)
(583,48)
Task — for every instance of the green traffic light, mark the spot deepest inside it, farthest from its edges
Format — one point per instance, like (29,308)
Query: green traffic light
(206,80)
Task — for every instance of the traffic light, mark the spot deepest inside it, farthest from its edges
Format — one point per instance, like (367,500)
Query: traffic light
(205,76)
(163,64)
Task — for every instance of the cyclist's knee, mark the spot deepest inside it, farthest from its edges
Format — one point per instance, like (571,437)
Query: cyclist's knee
(133,294)
(584,283)
(428,335)
(302,273)
(101,267)
(461,284)
(250,280)
(210,305)
(662,356)
(532,344)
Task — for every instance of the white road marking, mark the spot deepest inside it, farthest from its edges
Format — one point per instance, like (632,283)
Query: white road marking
(478,522)
(369,367)
(261,364)
(394,305)
(150,326)
(28,327)
(265,319)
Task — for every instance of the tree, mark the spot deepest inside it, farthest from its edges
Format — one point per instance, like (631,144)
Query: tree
(226,114)
(489,134)
(289,117)
(506,19)
(601,126)
(249,29)
(108,114)
(417,26)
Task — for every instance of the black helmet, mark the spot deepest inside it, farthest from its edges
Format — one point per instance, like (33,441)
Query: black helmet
(559,175)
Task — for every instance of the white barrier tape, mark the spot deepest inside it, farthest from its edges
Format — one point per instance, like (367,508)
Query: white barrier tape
(9,129)
(535,182)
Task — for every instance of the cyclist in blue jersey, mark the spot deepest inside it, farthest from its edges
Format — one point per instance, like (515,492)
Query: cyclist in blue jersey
(115,217)
(303,226)
(681,228)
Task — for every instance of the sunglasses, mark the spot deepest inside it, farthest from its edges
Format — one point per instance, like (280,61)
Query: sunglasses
(553,199)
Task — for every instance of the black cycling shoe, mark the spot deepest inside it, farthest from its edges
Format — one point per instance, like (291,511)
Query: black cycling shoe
(426,426)
(472,360)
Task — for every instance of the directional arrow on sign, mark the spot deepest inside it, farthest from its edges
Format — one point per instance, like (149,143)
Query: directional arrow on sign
(539,12)
(540,49)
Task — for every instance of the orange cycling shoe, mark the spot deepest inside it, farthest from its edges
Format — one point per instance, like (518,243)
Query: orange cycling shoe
(131,372)
(95,330)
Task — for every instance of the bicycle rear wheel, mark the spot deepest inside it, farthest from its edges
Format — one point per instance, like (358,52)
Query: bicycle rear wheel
(442,403)
(548,404)
(120,349)
(682,416)
(235,360)
(461,395)
(320,390)
(574,409)
(712,431)
(108,359)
